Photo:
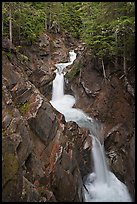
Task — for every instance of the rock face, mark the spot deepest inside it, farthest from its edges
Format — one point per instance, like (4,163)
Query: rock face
(43,157)
(113,106)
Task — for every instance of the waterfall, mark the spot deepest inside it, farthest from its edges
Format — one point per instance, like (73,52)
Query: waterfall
(58,87)
(101,185)
(100,167)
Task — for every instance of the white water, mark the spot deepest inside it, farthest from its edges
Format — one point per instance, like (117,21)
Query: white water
(116,191)
(58,87)
(102,185)
(100,166)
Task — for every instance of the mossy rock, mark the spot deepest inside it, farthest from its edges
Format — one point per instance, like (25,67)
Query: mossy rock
(8,54)
(24,58)
(10,166)
(24,107)
(12,179)
(75,71)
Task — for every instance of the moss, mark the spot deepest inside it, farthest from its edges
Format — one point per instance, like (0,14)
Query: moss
(3,52)
(11,166)
(18,48)
(74,72)
(24,107)
(8,54)
(24,58)
(10,179)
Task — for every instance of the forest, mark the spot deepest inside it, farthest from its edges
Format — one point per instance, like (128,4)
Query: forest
(108,28)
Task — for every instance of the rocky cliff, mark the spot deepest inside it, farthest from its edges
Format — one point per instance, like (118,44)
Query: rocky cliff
(45,159)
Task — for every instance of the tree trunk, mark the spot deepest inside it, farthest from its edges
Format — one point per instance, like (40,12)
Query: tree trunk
(124,57)
(2,17)
(2,25)
(46,22)
(116,59)
(48,16)
(129,87)
(104,73)
(10,24)
(19,24)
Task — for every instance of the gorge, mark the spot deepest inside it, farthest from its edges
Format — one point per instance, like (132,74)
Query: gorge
(43,152)
(101,185)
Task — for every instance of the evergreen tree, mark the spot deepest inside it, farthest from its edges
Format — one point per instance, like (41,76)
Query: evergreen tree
(108,28)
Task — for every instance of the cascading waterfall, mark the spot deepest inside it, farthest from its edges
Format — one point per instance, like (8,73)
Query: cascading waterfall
(58,87)
(101,185)
(99,162)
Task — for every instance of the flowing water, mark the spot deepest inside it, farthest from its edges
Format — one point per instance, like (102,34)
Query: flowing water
(101,185)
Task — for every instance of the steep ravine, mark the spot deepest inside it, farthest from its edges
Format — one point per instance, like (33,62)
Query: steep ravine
(113,106)
(41,152)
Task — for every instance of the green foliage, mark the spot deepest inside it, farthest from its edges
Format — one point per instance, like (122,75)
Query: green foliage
(23,58)
(8,54)
(74,72)
(27,21)
(108,28)
(11,166)
(106,25)
(24,107)
(30,19)
(70,19)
